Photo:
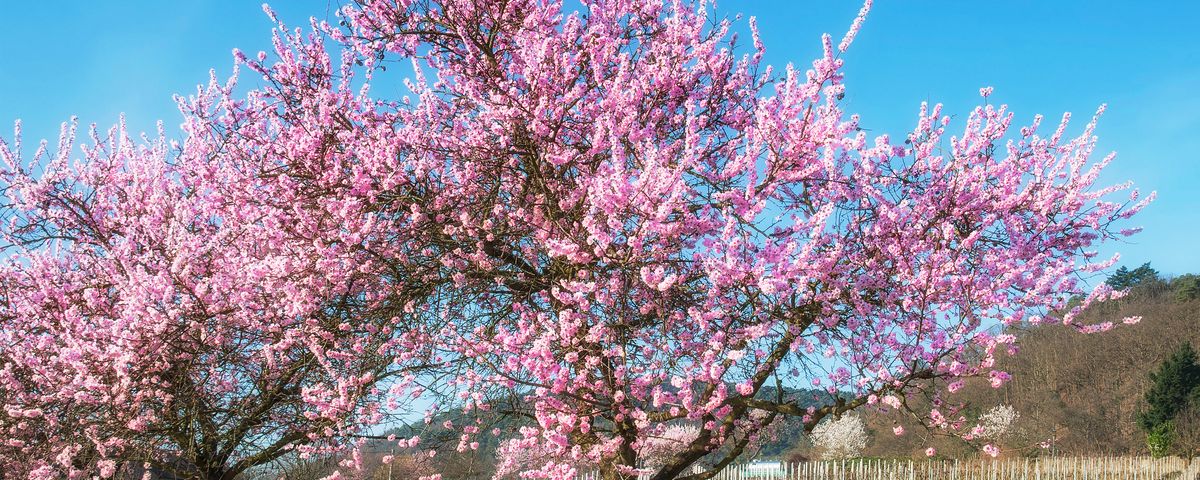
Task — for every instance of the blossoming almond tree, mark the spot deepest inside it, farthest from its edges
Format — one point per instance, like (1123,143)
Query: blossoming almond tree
(163,309)
(607,221)
(996,423)
(151,318)
(840,438)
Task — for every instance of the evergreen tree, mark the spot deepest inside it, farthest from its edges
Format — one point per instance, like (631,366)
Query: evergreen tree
(1186,287)
(1173,385)
(1125,278)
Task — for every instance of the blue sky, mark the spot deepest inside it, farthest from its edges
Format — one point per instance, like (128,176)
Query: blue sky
(98,59)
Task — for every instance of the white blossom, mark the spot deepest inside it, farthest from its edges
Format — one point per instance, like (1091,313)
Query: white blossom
(996,422)
(840,438)
(656,449)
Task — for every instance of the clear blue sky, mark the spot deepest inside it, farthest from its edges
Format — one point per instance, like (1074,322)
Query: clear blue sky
(97,59)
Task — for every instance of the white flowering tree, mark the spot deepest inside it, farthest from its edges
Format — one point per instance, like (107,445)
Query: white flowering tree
(840,438)
(655,450)
(996,423)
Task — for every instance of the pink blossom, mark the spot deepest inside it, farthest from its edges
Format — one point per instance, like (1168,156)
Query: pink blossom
(617,216)
(991,450)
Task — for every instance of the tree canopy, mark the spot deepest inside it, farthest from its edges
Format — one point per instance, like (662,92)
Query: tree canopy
(616,222)
(1124,278)
(1173,386)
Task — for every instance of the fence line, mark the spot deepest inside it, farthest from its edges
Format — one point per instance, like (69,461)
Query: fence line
(1051,468)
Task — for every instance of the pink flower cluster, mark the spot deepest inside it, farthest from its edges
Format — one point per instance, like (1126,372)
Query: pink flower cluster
(616,221)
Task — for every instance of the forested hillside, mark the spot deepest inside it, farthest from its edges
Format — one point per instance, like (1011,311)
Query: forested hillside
(1080,394)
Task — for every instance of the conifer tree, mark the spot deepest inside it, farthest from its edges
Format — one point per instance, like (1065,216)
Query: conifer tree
(1173,386)
(1125,278)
